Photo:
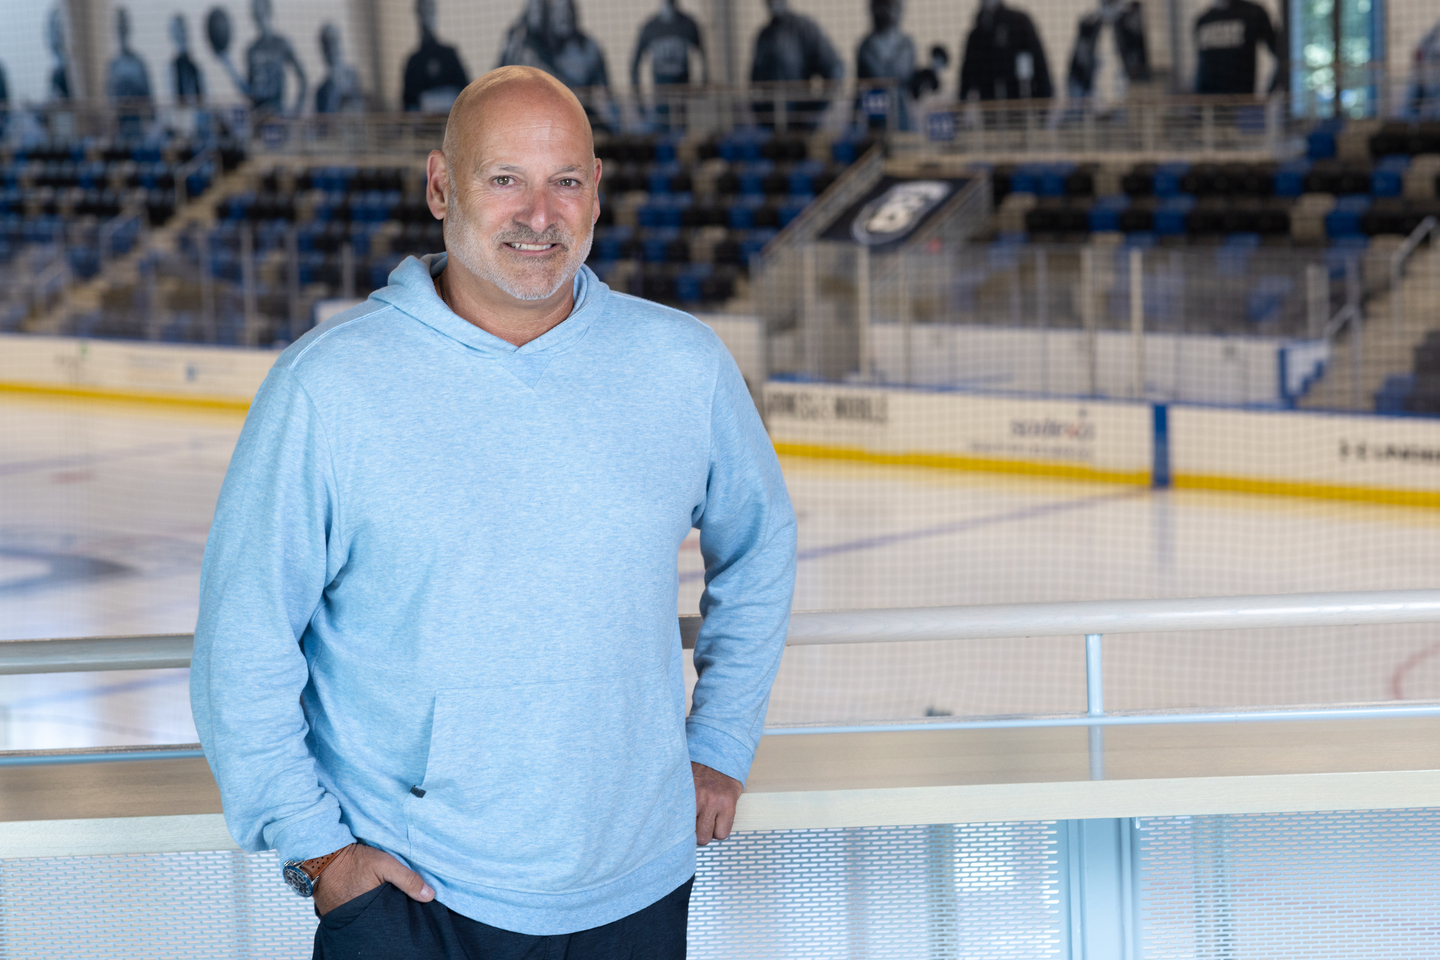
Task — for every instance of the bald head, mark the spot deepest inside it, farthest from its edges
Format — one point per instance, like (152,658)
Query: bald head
(504,95)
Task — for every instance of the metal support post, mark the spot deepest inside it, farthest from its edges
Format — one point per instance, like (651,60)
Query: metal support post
(211,333)
(1101,858)
(1087,316)
(292,282)
(1317,299)
(347,271)
(251,334)
(1137,322)
(1352,304)
(907,320)
(809,312)
(1042,314)
(863,309)
(1095,703)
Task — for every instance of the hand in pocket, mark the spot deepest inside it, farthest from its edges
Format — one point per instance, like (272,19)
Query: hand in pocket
(358,870)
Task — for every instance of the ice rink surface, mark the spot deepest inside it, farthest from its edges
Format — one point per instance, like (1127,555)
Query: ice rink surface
(104,510)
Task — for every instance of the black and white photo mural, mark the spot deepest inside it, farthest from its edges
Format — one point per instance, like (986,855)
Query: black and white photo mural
(669,38)
(1227,38)
(1004,58)
(268,60)
(1110,53)
(187,83)
(792,47)
(340,91)
(434,75)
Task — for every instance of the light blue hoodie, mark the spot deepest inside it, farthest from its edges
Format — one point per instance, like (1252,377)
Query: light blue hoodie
(445,563)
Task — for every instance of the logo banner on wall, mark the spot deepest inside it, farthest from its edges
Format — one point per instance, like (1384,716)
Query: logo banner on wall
(892,211)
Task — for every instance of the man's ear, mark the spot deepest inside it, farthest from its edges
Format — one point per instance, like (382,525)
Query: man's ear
(595,215)
(437,184)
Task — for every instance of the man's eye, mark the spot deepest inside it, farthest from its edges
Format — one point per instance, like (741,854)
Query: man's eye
(568,182)
(502,181)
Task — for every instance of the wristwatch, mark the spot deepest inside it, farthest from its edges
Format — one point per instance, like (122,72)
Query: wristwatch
(302,874)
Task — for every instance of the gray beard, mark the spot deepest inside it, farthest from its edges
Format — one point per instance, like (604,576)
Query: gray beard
(462,244)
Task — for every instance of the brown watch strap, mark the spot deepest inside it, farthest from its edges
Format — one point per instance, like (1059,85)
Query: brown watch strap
(313,868)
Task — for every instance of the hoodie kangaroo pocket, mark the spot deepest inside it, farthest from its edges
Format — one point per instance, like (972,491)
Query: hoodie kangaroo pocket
(550,786)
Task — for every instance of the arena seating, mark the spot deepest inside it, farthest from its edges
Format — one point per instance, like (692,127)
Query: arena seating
(679,220)
(62,192)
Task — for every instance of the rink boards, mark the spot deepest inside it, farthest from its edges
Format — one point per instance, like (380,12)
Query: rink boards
(1338,456)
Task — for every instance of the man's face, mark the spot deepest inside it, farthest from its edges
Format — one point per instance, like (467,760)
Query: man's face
(522,202)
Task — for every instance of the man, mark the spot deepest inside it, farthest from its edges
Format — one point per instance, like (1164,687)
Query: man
(127,82)
(266,60)
(886,53)
(437,666)
(434,75)
(668,37)
(791,47)
(340,91)
(185,76)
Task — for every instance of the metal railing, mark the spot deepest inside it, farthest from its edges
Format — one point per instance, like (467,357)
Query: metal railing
(1089,619)
(1425,230)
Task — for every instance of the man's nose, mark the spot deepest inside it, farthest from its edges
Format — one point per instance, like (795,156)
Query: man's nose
(538,211)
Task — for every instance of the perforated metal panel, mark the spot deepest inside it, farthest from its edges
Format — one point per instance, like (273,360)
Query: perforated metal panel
(1347,886)
(946,891)
(219,905)
(1273,887)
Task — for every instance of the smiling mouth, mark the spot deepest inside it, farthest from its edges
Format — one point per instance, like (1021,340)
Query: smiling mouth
(531,247)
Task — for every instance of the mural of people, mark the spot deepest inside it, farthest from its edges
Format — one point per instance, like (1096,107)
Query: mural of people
(340,91)
(793,47)
(575,58)
(1425,80)
(525,42)
(1092,74)
(668,37)
(265,60)
(60,75)
(887,54)
(1226,38)
(185,77)
(434,75)
(126,78)
(1004,59)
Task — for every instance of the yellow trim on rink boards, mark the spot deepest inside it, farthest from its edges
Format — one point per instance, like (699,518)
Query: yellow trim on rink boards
(1311,491)
(945,461)
(193,401)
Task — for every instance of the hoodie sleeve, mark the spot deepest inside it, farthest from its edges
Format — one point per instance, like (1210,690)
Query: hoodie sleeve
(269,556)
(747,539)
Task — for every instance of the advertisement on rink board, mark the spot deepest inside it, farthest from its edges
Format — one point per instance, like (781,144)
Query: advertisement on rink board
(1384,459)
(1100,440)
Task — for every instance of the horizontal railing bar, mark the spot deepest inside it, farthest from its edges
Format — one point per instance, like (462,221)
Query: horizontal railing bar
(886,625)
(69,655)
(1125,720)
(42,758)
(1007,621)
(190,751)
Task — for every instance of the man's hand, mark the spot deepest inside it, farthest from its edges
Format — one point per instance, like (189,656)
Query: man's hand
(715,796)
(359,869)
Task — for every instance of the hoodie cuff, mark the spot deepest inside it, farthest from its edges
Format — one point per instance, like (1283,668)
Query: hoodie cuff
(718,750)
(308,838)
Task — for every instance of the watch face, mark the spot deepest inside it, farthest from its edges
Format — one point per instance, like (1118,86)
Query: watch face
(298,881)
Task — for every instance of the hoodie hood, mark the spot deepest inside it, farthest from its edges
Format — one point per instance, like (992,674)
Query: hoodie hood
(412,291)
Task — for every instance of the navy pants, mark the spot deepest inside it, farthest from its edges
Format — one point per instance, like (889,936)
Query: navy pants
(384,924)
